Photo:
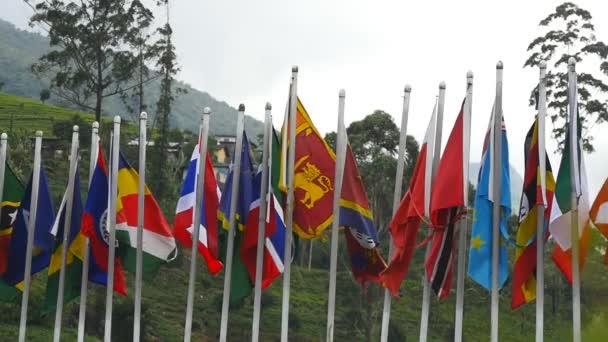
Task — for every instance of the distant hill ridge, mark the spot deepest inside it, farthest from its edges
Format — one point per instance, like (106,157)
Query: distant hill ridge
(19,49)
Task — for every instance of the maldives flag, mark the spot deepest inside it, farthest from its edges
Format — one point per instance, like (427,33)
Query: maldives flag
(416,202)
(94,226)
(447,202)
(158,242)
(274,237)
(184,213)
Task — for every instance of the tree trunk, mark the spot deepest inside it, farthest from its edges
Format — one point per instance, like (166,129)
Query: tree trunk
(98,101)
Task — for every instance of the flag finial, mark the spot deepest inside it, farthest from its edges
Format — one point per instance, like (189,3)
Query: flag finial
(241,107)
(206,111)
(342,93)
(469,77)
(38,134)
(294,69)
(572,63)
(75,129)
(408,88)
(4,136)
(117,119)
(542,65)
(143,116)
(499,65)
(442,85)
(268,106)
(95,124)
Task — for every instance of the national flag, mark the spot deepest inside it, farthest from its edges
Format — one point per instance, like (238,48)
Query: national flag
(158,242)
(184,214)
(355,215)
(274,237)
(480,254)
(524,267)
(598,215)
(412,209)
(73,271)
(11,199)
(314,169)
(447,207)
(241,284)
(561,211)
(43,239)
(94,226)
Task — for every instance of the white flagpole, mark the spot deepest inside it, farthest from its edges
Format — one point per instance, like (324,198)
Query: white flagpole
(67,226)
(463,224)
(139,257)
(386,310)
(85,261)
(3,145)
(236,177)
(290,204)
(196,221)
(264,199)
(496,195)
(574,179)
(31,227)
(338,178)
(111,214)
(540,215)
(426,285)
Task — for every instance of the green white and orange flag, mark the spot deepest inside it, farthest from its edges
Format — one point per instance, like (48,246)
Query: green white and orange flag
(158,242)
(598,215)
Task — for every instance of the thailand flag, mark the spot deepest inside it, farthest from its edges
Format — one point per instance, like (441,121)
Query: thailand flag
(184,214)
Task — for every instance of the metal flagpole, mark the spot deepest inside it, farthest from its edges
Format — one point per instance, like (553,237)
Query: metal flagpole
(426,285)
(540,215)
(3,145)
(141,188)
(338,178)
(236,177)
(386,311)
(496,179)
(85,260)
(31,227)
(574,179)
(310,255)
(290,203)
(196,221)
(67,226)
(264,199)
(111,214)
(463,224)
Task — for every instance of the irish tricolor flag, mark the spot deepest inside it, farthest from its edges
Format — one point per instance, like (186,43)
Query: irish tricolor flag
(158,241)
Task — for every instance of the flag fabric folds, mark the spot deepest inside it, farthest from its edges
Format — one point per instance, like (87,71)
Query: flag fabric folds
(480,253)
(598,215)
(314,170)
(94,226)
(11,199)
(73,272)
(43,238)
(241,284)
(158,242)
(355,215)
(524,267)
(274,237)
(184,214)
(447,202)
(406,222)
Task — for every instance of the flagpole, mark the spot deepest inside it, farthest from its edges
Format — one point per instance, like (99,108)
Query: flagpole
(111,214)
(141,188)
(386,311)
(196,221)
(426,285)
(310,255)
(31,227)
(264,198)
(290,204)
(463,224)
(338,178)
(540,216)
(3,145)
(236,176)
(85,260)
(573,136)
(67,226)
(496,178)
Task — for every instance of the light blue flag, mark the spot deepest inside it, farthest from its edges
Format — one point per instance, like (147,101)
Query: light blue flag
(480,253)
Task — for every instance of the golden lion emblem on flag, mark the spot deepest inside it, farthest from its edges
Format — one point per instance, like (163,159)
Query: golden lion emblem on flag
(314,184)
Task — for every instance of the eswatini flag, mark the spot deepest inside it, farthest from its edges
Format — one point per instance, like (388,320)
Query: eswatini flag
(184,213)
(94,226)
(158,241)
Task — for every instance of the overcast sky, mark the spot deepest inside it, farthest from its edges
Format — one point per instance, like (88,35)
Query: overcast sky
(242,52)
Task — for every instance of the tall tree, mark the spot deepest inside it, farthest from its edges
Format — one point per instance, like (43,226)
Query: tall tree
(570,33)
(94,48)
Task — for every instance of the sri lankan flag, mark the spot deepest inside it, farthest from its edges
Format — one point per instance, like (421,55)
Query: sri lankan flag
(158,241)
(11,199)
(524,269)
(314,169)
(74,256)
